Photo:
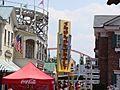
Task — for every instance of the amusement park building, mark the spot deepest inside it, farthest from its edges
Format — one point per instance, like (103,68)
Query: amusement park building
(107,48)
(23,38)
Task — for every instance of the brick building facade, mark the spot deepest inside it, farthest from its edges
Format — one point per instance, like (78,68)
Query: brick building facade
(107,48)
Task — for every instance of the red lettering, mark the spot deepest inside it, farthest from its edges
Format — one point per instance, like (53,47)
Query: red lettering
(65,44)
(65,25)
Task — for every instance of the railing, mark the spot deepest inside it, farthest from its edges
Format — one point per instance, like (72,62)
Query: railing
(27,6)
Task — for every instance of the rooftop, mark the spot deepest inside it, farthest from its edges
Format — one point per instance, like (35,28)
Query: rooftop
(99,20)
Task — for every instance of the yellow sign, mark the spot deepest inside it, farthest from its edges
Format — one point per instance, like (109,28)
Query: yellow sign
(64,46)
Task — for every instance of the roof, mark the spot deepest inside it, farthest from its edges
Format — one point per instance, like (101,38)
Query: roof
(29,75)
(5,11)
(99,20)
(29,71)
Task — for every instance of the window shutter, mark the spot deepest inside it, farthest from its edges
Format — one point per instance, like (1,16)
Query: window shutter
(119,63)
(114,40)
(114,78)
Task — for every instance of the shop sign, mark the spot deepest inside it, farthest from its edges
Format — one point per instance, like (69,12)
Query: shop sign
(8,53)
(64,46)
(30,81)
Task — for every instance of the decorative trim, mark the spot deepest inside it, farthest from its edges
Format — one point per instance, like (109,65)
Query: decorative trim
(116,71)
(103,34)
(117,49)
(112,28)
(117,32)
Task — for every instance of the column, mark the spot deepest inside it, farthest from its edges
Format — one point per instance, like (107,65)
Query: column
(35,50)
(41,52)
(1,37)
(24,48)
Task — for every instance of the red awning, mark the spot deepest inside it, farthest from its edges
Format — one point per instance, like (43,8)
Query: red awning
(29,74)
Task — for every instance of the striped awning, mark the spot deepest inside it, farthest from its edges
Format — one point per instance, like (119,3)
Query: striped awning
(2,68)
(8,66)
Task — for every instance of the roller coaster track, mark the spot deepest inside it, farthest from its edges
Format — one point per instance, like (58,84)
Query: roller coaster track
(78,52)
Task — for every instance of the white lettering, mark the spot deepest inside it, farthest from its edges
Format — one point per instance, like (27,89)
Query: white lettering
(30,81)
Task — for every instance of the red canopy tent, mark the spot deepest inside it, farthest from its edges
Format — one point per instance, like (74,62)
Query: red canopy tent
(29,78)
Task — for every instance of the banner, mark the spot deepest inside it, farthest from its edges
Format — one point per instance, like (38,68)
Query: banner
(18,43)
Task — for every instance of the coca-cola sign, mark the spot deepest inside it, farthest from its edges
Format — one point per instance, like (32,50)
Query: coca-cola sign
(30,81)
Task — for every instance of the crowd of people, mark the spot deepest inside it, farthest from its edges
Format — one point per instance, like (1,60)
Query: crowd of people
(112,87)
(64,85)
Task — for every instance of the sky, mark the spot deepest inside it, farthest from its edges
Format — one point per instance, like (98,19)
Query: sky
(81,15)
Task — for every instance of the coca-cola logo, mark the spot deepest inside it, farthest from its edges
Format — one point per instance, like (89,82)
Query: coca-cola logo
(30,81)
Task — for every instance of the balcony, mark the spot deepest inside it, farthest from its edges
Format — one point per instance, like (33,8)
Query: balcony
(93,82)
(93,71)
(93,76)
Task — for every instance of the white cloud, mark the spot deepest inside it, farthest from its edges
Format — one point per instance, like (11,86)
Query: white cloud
(82,25)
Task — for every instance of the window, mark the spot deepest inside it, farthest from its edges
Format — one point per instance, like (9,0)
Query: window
(118,41)
(119,62)
(8,38)
(5,37)
(30,44)
(11,39)
(39,51)
(42,52)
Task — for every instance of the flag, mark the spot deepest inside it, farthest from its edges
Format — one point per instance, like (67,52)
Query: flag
(18,43)
(42,5)
(42,1)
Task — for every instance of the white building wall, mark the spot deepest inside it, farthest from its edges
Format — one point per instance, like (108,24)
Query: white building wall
(6,47)
(20,59)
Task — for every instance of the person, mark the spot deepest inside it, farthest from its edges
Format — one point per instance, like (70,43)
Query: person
(110,87)
(71,87)
(77,85)
(10,89)
(116,88)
